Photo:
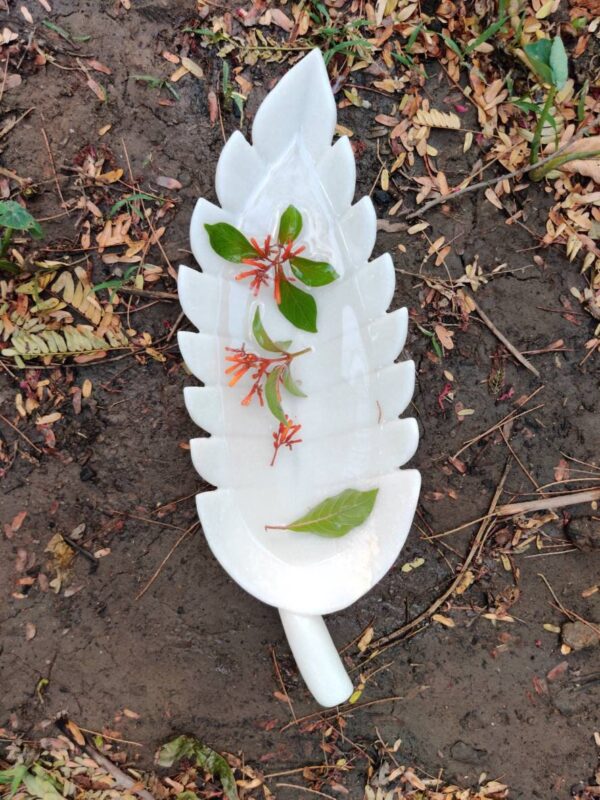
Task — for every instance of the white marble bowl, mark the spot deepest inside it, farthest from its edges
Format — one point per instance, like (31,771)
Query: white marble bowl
(352,437)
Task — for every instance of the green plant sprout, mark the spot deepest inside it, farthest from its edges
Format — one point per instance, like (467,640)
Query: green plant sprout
(157,83)
(230,95)
(13,217)
(549,62)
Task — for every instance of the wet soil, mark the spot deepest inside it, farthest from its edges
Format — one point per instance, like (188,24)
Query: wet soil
(194,654)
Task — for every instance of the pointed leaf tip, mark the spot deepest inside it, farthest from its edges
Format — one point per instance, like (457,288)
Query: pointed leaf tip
(229,243)
(335,516)
(298,307)
(262,337)
(273,394)
(313,273)
(290,225)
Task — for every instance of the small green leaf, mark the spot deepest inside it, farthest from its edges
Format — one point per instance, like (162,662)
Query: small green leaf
(452,45)
(14,777)
(57,29)
(8,266)
(313,273)
(335,516)
(41,786)
(125,201)
(290,225)
(14,216)
(538,55)
(204,757)
(581,100)
(487,34)
(559,63)
(298,307)
(273,394)
(263,338)
(229,243)
(290,384)
(526,105)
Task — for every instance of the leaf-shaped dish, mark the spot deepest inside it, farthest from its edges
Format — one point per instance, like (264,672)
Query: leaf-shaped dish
(351,437)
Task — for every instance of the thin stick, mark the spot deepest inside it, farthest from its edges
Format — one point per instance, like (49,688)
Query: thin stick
(178,322)
(110,738)
(342,711)
(269,776)
(122,779)
(358,636)
(512,415)
(519,462)
(579,461)
(306,789)
(492,181)
(175,502)
(148,520)
(3,84)
(21,434)
(510,347)
(567,611)
(459,528)
(53,165)
(151,294)
(141,593)
(281,683)
(478,542)
(548,503)
(10,125)
(221,119)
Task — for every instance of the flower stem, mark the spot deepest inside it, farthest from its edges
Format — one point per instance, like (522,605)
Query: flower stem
(535,145)
(300,352)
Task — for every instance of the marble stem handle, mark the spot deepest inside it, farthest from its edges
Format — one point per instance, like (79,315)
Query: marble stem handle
(317,657)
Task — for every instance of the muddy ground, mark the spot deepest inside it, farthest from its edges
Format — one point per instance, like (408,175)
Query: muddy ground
(194,654)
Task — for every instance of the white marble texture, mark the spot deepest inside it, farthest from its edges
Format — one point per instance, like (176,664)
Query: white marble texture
(351,435)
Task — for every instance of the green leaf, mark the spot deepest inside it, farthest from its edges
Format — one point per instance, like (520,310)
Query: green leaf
(263,338)
(14,216)
(204,757)
(298,307)
(8,266)
(313,273)
(131,198)
(581,100)
(57,29)
(487,34)
(336,515)
(526,105)
(538,55)
(13,776)
(413,37)
(41,786)
(559,63)
(272,394)
(452,45)
(229,243)
(290,225)
(290,384)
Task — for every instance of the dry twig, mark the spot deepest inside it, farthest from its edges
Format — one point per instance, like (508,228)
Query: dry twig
(478,542)
(548,503)
(510,347)
(143,591)
(517,173)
